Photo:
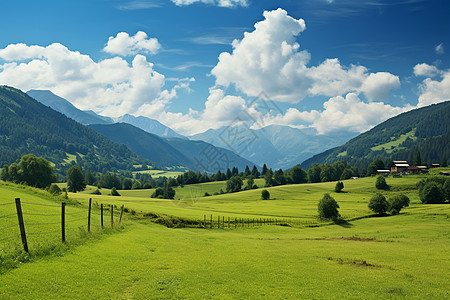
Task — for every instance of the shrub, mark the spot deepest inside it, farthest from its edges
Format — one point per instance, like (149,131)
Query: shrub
(328,207)
(339,186)
(114,192)
(54,190)
(379,204)
(97,192)
(207,194)
(381,183)
(432,193)
(265,195)
(396,203)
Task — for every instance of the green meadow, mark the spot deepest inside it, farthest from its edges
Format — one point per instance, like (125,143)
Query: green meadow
(394,257)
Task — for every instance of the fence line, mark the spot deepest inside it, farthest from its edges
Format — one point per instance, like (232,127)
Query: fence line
(40,204)
(9,203)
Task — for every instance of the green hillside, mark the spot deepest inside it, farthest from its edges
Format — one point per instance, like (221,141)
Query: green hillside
(316,261)
(27,126)
(425,130)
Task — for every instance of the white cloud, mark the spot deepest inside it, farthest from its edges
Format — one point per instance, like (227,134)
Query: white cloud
(111,86)
(426,70)
(378,85)
(220,3)
(435,91)
(440,49)
(125,45)
(269,59)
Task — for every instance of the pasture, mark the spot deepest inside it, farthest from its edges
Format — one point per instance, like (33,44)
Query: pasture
(403,256)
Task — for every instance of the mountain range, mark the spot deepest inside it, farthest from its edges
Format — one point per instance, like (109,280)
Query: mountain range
(424,131)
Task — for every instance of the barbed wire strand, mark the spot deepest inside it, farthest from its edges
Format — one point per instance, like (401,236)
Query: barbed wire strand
(5,216)
(11,226)
(9,203)
(39,233)
(10,237)
(79,219)
(75,213)
(36,224)
(33,214)
(41,204)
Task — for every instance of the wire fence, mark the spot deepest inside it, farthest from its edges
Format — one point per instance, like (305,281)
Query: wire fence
(51,220)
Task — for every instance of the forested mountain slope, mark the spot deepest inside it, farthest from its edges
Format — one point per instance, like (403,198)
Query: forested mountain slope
(425,130)
(27,126)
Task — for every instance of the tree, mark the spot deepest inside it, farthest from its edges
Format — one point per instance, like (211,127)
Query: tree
(417,159)
(228,173)
(136,185)
(397,202)
(255,172)
(268,178)
(32,170)
(54,190)
(250,182)
(279,178)
(328,207)
(265,195)
(432,193)
(379,204)
(247,171)
(75,179)
(264,170)
(377,164)
(327,173)
(298,175)
(314,173)
(381,183)
(89,178)
(5,173)
(444,163)
(234,184)
(339,186)
(114,192)
(127,184)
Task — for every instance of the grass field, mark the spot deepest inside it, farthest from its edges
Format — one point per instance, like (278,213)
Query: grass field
(404,256)
(160,173)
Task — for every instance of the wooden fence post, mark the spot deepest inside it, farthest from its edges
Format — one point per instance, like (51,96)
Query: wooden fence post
(89,215)
(218,221)
(112,216)
(21,225)
(121,213)
(101,214)
(211,224)
(63,222)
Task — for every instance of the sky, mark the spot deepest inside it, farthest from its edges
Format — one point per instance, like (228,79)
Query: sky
(330,65)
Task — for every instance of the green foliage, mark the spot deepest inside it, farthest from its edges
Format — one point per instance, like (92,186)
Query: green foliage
(331,172)
(114,192)
(136,185)
(127,184)
(75,180)
(54,190)
(397,202)
(27,126)
(432,193)
(268,178)
(377,164)
(279,178)
(339,187)
(165,192)
(250,182)
(265,195)
(381,183)
(328,207)
(96,192)
(109,180)
(31,170)
(234,184)
(298,175)
(378,204)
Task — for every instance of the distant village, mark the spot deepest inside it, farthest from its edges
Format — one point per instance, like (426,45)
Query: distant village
(402,167)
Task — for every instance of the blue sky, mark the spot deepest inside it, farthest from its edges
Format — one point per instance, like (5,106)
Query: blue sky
(330,65)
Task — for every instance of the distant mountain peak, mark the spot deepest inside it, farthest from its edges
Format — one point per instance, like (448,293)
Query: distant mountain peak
(149,125)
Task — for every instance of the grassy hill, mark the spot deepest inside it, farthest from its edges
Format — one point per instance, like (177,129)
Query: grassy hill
(425,130)
(402,256)
(27,126)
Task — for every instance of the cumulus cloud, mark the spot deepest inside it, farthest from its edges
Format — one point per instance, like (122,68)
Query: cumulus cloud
(125,45)
(112,86)
(269,59)
(440,49)
(426,70)
(435,91)
(220,3)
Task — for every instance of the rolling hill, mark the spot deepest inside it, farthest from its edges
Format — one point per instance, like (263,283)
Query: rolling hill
(27,126)
(425,130)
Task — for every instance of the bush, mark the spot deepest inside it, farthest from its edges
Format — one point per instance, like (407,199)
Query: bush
(379,204)
(207,194)
(265,195)
(432,193)
(328,207)
(396,203)
(97,192)
(54,190)
(114,192)
(339,186)
(381,183)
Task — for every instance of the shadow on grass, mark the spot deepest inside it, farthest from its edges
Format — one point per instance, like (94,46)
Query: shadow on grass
(343,223)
